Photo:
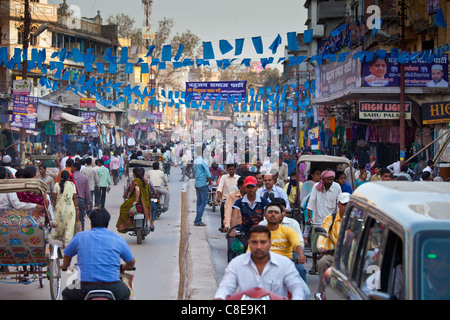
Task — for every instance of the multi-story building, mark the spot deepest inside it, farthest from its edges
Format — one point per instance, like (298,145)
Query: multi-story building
(11,32)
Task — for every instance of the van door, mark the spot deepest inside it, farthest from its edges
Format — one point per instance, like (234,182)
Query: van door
(348,242)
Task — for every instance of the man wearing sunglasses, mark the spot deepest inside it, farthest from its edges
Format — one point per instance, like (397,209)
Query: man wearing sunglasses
(270,191)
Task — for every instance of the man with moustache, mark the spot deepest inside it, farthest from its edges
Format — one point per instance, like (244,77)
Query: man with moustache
(262,268)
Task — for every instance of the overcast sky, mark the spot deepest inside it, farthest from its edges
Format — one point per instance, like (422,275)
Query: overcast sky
(213,20)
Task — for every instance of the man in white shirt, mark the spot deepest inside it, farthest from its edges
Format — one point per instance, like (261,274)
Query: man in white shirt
(429,167)
(11,201)
(157,178)
(262,268)
(92,176)
(322,202)
(6,163)
(437,74)
(227,181)
(282,169)
(395,167)
(271,191)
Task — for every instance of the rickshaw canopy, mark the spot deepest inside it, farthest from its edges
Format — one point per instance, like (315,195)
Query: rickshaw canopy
(22,185)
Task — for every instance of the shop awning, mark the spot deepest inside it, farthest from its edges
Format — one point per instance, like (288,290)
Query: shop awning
(71,118)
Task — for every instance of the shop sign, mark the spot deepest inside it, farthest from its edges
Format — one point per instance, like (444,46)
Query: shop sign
(88,102)
(436,112)
(22,87)
(382,110)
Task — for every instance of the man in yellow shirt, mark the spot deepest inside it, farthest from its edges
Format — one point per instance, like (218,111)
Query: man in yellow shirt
(325,246)
(291,189)
(284,239)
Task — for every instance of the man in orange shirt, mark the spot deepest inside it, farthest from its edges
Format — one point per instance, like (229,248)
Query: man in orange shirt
(69,163)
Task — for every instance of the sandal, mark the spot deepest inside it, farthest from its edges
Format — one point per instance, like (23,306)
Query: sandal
(313,270)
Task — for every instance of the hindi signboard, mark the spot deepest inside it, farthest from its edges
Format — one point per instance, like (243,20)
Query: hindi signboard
(22,87)
(335,79)
(24,112)
(212,91)
(88,102)
(386,73)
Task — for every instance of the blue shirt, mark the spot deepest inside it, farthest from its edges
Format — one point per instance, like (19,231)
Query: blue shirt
(347,187)
(291,165)
(251,214)
(99,251)
(201,171)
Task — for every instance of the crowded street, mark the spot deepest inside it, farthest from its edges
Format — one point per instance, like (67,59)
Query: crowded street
(240,150)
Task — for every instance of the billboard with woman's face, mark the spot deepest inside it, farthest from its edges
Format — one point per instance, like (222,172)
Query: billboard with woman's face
(24,112)
(89,123)
(387,73)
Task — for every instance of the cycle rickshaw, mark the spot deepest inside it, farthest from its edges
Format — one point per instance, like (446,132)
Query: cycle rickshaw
(26,254)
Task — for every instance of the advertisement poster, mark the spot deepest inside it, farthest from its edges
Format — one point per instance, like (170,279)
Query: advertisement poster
(211,91)
(24,112)
(335,79)
(386,73)
(89,123)
(156,116)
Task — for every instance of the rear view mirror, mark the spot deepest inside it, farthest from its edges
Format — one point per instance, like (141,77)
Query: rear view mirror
(321,231)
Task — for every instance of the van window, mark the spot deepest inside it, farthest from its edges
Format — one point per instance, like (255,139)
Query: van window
(354,226)
(434,268)
(370,266)
(381,264)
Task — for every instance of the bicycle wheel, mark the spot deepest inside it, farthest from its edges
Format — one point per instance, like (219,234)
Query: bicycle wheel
(54,275)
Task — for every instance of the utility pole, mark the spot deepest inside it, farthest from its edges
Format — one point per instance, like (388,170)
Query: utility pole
(402,81)
(26,35)
(148,12)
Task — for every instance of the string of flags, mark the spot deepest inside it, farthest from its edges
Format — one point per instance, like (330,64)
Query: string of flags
(273,99)
(327,49)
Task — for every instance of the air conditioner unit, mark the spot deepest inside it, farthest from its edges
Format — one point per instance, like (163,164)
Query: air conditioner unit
(318,31)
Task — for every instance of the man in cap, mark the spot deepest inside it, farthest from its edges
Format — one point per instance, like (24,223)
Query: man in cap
(437,74)
(326,246)
(6,163)
(322,202)
(250,206)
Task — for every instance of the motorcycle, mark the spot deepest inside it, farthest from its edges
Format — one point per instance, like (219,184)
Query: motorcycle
(212,195)
(141,225)
(103,294)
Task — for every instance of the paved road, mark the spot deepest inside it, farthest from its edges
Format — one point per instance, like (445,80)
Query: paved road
(157,274)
